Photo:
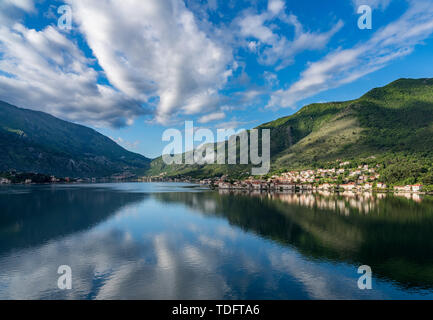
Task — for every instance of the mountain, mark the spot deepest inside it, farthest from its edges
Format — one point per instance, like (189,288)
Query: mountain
(389,126)
(33,141)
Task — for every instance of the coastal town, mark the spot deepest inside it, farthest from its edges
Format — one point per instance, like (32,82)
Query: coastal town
(14,177)
(360,179)
(363,178)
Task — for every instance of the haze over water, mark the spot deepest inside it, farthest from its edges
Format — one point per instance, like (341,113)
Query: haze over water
(179,241)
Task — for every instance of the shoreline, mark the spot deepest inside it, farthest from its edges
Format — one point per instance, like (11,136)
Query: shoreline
(315,190)
(295,189)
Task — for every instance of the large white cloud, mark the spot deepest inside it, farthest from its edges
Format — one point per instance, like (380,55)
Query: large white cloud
(46,71)
(271,46)
(155,49)
(152,52)
(342,66)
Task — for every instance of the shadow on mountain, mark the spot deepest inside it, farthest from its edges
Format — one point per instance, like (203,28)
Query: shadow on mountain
(393,235)
(31,216)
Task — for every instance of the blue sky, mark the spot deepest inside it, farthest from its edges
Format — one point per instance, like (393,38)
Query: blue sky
(133,68)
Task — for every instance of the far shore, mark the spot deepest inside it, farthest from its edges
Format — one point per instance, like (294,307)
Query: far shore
(251,186)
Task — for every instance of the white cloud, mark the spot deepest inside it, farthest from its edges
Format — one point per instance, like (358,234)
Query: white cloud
(276,6)
(274,48)
(212,117)
(155,48)
(381,4)
(46,71)
(152,52)
(234,123)
(126,144)
(252,45)
(26,5)
(11,9)
(253,26)
(342,66)
(271,79)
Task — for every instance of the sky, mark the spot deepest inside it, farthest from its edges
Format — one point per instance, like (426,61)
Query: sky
(131,69)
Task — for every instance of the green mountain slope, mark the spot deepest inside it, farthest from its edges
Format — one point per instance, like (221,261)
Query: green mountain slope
(397,118)
(393,123)
(34,141)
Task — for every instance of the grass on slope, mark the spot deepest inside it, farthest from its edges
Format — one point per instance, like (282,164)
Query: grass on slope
(392,123)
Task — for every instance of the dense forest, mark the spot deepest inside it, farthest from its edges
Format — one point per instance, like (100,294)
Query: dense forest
(389,127)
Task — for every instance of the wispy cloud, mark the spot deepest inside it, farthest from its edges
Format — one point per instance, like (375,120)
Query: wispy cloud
(271,46)
(343,66)
(45,70)
(155,49)
(126,144)
(212,117)
(381,4)
(11,9)
(234,123)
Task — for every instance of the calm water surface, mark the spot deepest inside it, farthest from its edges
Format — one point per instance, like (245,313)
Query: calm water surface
(177,241)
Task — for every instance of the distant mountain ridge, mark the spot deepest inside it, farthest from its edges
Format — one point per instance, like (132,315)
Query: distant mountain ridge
(393,123)
(34,141)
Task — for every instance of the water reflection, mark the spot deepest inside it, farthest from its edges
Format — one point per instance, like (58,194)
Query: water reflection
(34,215)
(339,202)
(391,234)
(142,241)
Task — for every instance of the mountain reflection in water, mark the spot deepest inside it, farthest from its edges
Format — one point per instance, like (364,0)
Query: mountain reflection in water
(174,241)
(392,234)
